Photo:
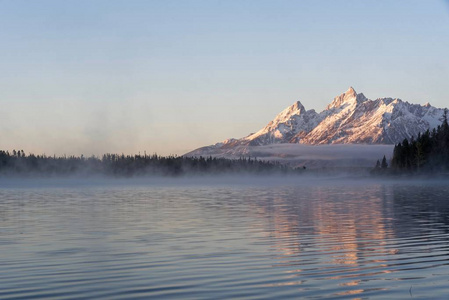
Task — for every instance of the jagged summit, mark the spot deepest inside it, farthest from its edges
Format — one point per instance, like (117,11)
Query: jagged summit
(295,109)
(285,126)
(298,105)
(350,97)
(350,118)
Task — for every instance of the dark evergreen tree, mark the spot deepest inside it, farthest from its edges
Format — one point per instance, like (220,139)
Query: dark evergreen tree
(429,152)
(384,164)
(129,165)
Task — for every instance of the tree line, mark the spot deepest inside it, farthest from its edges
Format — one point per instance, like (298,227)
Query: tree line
(18,163)
(429,152)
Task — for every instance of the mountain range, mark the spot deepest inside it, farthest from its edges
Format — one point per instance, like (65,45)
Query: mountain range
(350,118)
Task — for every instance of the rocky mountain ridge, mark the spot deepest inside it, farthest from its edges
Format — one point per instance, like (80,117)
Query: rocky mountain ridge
(350,118)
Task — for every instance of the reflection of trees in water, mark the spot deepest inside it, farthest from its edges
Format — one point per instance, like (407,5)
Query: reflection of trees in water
(420,209)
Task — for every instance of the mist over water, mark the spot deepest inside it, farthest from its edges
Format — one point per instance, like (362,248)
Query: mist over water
(227,237)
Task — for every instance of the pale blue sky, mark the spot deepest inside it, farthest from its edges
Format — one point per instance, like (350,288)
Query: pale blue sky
(170,76)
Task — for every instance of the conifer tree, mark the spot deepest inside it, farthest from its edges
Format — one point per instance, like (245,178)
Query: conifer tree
(384,164)
(377,164)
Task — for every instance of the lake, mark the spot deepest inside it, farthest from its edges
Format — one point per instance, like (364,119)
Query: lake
(224,238)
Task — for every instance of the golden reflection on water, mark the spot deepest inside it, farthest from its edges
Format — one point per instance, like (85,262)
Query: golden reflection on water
(350,283)
(324,226)
(350,292)
(285,283)
(300,242)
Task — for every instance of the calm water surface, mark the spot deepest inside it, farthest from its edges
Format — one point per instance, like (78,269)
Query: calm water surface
(348,239)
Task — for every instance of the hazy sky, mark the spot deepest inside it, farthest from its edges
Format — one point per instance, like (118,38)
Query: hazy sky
(170,76)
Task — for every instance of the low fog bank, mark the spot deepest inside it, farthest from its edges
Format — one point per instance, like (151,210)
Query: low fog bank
(272,165)
(311,156)
(18,164)
(263,160)
(303,177)
(266,181)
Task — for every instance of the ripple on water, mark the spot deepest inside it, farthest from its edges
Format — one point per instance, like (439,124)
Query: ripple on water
(210,241)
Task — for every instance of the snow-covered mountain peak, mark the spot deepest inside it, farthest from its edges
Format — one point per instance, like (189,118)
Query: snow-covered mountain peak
(295,109)
(350,97)
(351,118)
(351,91)
(283,125)
(298,105)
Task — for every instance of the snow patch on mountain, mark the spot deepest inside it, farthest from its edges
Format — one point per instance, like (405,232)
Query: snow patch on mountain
(288,127)
(350,118)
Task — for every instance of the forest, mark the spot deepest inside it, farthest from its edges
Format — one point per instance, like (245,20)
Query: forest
(20,164)
(428,153)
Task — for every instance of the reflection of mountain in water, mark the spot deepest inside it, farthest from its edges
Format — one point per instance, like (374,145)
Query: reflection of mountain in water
(356,234)
(322,220)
